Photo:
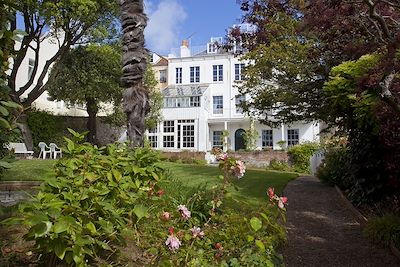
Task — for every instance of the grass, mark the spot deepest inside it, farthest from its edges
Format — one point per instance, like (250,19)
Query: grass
(29,170)
(251,188)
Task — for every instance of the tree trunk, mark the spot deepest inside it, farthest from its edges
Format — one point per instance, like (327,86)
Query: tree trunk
(92,109)
(136,96)
(22,124)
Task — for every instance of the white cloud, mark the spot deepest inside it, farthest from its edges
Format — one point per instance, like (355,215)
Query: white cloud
(164,23)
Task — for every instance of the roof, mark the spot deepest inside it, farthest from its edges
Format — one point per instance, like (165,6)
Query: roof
(185,90)
(162,62)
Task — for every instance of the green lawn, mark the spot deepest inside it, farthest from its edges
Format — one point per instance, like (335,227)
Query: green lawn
(252,187)
(29,170)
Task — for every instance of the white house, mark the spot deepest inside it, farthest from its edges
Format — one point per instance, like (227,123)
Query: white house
(200,104)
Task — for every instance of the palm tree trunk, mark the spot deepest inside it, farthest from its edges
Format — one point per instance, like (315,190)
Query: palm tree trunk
(136,96)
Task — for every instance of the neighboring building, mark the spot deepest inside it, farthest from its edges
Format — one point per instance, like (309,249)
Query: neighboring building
(201,103)
(160,68)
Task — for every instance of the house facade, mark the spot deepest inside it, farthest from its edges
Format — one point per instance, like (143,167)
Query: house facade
(201,106)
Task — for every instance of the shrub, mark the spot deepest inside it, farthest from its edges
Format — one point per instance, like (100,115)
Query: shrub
(383,230)
(299,156)
(78,217)
(45,127)
(278,165)
(335,169)
(201,162)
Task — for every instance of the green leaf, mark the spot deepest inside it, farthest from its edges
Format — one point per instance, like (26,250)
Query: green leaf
(11,104)
(60,248)
(255,223)
(250,238)
(41,229)
(5,164)
(260,245)
(140,211)
(4,124)
(60,226)
(91,227)
(117,175)
(4,111)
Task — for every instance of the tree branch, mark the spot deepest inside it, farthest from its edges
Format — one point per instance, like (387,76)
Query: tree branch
(377,17)
(34,71)
(386,94)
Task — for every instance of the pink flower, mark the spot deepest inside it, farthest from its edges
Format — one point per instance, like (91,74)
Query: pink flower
(223,156)
(165,216)
(271,193)
(196,232)
(239,169)
(281,202)
(185,213)
(172,242)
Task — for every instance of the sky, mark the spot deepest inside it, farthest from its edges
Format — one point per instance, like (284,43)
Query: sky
(171,21)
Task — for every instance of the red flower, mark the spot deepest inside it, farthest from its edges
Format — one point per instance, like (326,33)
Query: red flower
(270,193)
(171,230)
(218,246)
(284,200)
(160,193)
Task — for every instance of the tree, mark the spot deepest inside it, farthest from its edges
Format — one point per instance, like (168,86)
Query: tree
(66,22)
(340,66)
(87,75)
(292,52)
(136,95)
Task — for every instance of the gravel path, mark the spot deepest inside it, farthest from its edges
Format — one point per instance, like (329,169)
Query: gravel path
(323,232)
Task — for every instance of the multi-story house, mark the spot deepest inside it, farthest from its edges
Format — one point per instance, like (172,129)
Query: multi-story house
(201,106)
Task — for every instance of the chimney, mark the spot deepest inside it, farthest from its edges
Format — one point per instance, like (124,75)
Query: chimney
(185,51)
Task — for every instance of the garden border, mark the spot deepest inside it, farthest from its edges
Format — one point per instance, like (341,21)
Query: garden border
(362,219)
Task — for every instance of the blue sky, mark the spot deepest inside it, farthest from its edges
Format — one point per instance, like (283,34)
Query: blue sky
(171,21)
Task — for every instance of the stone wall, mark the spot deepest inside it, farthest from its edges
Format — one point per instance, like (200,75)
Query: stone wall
(106,133)
(260,159)
(185,156)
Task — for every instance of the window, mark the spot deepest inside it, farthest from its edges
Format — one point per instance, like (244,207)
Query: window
(31,66)
(163,76)
(153,130)
(238,100)
(168,141)
(195,74)
(266,138)
(187,136)
(238,72)
(217,139)
(218,73)
(212,48)
(218,104)
(293,137)
(182,102)
(178,75)
(195,101)
(169,126)
(153,140)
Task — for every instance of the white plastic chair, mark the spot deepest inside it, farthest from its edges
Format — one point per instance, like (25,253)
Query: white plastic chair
(44,151)
(55,150)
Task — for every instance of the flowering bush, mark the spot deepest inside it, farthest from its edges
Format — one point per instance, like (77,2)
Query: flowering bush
(195,229)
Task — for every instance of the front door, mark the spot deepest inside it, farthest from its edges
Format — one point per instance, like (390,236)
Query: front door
(239,139)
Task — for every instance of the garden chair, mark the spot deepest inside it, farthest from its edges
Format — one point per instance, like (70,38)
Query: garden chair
(44,151)
(55,150)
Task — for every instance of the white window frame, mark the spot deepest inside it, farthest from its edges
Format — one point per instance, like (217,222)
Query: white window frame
(267,142)
(238,71)
(178,75)
(293,137)
(217,141)
(31,66)
(218,73)
(195,74)
(218,104)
